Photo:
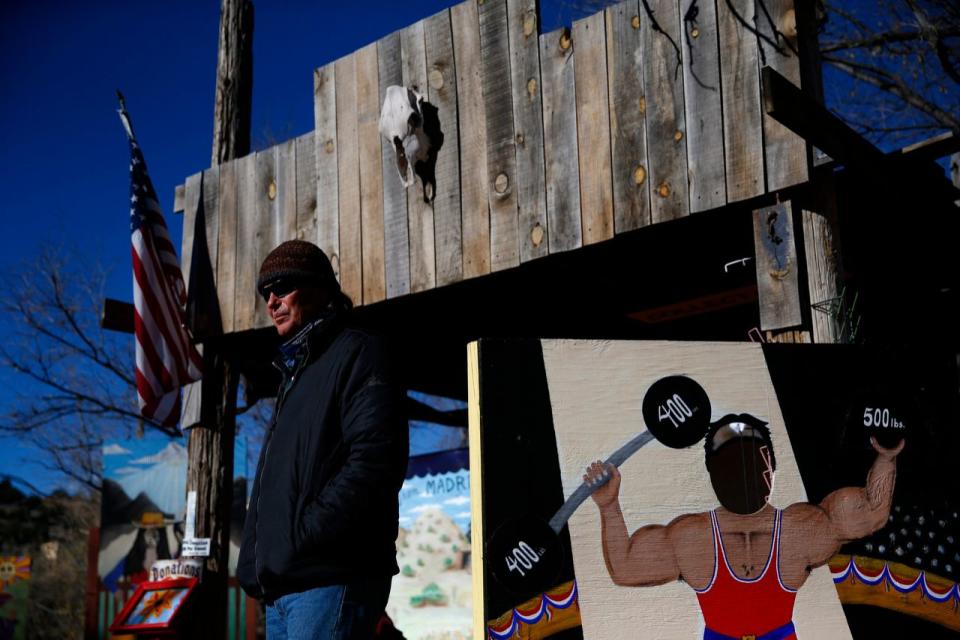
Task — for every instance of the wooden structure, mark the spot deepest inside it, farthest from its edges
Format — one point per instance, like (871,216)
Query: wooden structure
(639,164)
(551,142)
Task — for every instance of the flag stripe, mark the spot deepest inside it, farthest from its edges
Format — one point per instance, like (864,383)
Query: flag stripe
(168,333)
(158,323)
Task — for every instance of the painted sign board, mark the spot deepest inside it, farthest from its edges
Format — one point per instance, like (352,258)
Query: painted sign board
(766,447)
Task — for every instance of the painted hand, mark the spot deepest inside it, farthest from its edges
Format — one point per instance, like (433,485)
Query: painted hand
(887,454)
(605,480)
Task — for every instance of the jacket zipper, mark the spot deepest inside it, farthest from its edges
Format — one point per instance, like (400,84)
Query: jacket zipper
(266,452)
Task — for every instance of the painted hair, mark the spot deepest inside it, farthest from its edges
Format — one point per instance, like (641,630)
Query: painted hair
(736,425)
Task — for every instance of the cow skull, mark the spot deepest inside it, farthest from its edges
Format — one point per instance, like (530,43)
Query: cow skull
(401,123)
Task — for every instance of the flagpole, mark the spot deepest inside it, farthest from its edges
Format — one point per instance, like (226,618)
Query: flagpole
(124,116)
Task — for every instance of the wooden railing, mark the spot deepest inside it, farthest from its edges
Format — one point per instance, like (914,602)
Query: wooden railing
(551,141)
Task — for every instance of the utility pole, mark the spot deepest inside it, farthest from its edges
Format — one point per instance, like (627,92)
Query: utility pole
(212,424)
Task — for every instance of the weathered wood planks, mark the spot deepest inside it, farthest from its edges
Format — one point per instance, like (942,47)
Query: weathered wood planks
(474,205)
(785,153)
(777,268)
(267,212)
(702,109)
(306,187)
(245,274)
(628,134)
(423,266)
(501,151)
(442,94)
(348,179)
(191,203)
(593,128)
(285,199)
(396,251)
(551,142)
(664,109)
(206,320)
(371,175)
(564,231)
(740,79)
(227,245)
(523,38)
(211,212)
(328,190)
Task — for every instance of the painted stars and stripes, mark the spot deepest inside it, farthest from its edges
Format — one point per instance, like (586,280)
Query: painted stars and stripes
(165,356)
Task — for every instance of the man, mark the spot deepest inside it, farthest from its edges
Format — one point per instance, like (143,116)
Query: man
(318,540)
(745,559)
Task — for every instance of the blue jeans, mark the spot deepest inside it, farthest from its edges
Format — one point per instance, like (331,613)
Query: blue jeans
(337,612)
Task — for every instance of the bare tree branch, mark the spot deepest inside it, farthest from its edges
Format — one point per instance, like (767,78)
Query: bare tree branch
(886,82)
(77,385)
(898,64)
(879,39)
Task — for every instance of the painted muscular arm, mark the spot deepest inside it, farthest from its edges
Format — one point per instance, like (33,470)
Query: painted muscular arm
(644,559)
(852,513)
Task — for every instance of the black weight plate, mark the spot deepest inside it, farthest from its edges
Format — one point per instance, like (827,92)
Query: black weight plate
(883,414)
(524,555)
(676,410)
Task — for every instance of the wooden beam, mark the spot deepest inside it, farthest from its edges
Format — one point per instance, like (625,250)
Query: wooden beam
(179,197)
(117,316)
(697,306)
(933,148)
(812,121)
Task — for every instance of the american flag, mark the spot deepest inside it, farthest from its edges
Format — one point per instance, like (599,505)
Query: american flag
(166,358)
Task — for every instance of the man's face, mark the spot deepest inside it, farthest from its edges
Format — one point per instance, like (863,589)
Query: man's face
(291,310)
(741,473)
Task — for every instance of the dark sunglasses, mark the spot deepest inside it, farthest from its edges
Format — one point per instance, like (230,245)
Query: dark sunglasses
(280,288)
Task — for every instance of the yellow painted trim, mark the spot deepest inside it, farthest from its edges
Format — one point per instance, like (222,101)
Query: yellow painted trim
(476,488)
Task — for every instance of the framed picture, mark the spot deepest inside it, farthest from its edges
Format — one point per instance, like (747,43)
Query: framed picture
(154,606)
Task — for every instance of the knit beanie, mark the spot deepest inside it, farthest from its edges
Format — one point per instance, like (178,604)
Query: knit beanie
(297,260)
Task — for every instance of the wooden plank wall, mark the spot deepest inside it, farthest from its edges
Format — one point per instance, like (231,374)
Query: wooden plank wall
(551,141)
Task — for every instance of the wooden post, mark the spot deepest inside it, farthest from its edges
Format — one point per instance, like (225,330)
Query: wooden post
(92,595)
(819,232)
(210,475)
(231,114)
(213,423)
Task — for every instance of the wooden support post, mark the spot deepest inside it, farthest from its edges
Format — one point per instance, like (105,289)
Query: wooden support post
(821,244)
(232,109)
(92,595)
(210,474)
(822,275)
(213,421)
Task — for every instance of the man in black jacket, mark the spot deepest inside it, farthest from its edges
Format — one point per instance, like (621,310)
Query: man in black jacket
(319,536)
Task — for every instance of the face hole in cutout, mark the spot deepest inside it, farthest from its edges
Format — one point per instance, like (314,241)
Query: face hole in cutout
(741,473)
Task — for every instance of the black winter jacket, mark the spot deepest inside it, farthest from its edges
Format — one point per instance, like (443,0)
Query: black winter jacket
(324,503)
